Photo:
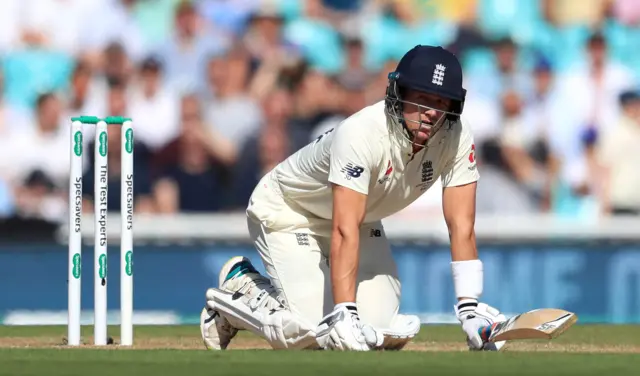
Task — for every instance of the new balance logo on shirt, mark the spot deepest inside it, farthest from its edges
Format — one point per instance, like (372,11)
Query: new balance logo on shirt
(352,171)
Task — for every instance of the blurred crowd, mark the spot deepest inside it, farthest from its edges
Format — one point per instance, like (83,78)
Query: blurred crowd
(222,90)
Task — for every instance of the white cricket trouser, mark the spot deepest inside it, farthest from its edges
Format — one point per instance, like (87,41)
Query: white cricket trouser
(298,266)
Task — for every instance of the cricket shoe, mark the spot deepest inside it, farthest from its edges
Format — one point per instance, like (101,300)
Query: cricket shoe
(215,329)
(238,276)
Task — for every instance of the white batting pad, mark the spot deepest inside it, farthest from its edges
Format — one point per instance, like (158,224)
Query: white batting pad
(278,326)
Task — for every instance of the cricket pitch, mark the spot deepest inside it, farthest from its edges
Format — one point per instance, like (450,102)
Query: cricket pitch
(167,350)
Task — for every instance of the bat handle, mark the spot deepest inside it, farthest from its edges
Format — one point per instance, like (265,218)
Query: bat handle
(485,332)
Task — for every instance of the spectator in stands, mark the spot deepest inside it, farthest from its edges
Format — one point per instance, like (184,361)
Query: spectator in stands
(617,154)
(508,165)
(118,24)
(592,88)
(77,100)
(538,108)
(42,146)
(117,66)
(117,103)
(153,105)
(112,68)
(232,112)
(309,108)
(40,198)
(186,52)
(525,152)
(354,74)
(39,23)
(221,152)
(191,171)
(36,162)
(537,119)
(262,150)
(264,38)
(269,51)
(506,73)
(586,107)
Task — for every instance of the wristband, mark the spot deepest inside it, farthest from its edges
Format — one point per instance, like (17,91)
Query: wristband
(349,306)
(468,278)
(465,307)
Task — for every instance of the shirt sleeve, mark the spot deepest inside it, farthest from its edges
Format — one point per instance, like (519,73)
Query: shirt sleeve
(462,168)
(351,159)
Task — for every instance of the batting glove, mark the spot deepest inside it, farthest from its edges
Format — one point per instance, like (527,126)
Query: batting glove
(473,316)
(343,330)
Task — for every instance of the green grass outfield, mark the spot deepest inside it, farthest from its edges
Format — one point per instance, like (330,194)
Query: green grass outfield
(438,350)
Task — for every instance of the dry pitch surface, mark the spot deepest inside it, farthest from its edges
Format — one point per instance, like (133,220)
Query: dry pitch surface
(438,350)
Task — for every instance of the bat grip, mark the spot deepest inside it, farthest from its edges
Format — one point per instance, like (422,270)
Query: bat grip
(485,332)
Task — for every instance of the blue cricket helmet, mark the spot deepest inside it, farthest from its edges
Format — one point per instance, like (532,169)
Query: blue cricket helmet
(429,69)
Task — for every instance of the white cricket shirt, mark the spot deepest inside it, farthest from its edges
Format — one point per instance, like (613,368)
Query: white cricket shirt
(361,154)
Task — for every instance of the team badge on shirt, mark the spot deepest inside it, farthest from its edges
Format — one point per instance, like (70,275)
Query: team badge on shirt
(427,175)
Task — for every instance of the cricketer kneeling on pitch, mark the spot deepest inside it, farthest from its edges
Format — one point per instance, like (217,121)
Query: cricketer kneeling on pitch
(315,220)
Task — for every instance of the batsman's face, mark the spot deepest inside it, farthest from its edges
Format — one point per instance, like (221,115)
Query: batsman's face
(422,111)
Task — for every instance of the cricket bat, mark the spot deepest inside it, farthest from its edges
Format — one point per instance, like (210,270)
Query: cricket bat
(544,323)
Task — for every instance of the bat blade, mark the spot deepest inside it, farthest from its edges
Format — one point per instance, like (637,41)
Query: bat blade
(544,323)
